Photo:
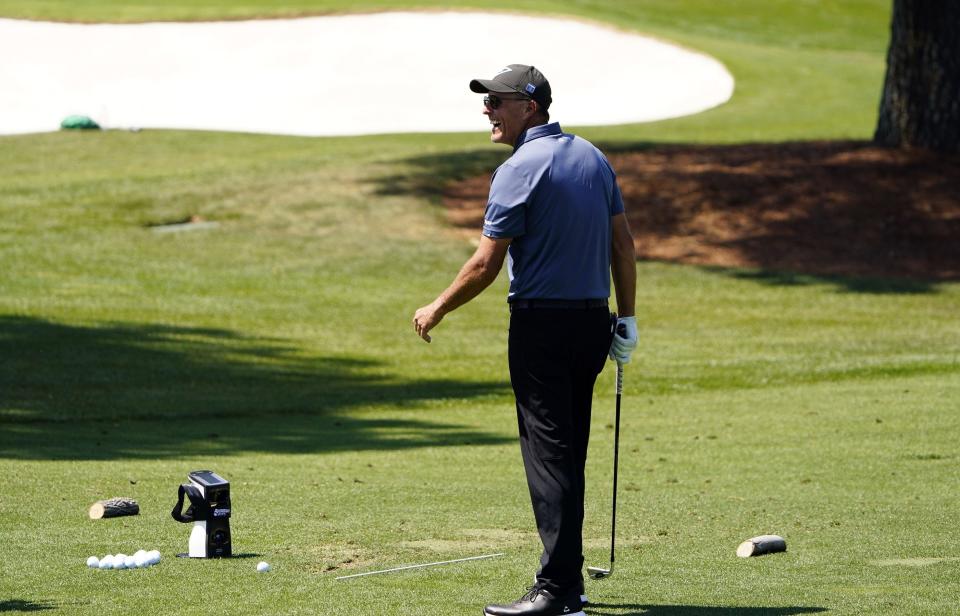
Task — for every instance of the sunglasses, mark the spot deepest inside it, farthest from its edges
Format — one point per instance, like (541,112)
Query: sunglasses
(494,102)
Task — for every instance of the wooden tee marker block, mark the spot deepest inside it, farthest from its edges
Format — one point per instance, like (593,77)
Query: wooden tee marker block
(764,544)
(113,508)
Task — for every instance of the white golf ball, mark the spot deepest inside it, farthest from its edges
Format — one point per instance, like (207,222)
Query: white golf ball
(93,562)
(140,553)
(263,567)
(120,561)
(130,562)
(106,562)
(140,561)
(153,557)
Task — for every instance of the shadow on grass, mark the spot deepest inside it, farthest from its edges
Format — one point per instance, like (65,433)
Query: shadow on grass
(428,175)
(120,390)
(21,605)
(697,610)
(873,286)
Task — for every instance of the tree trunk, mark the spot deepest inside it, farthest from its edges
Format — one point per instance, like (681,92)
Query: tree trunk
(920,106)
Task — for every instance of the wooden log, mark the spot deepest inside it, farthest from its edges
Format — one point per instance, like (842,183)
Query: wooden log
(764,544)
(113,508)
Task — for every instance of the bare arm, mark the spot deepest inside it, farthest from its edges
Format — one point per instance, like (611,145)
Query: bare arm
(477,274)
(623,263)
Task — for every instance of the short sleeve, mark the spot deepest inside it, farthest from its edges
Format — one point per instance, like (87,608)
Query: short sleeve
(616,200)
(505,215)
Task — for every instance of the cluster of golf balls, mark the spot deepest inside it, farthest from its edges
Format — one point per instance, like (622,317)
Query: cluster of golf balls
(139,560)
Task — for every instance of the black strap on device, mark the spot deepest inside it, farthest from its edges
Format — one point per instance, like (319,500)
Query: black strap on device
(198,504)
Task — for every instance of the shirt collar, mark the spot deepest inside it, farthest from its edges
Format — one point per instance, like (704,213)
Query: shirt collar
(535,132)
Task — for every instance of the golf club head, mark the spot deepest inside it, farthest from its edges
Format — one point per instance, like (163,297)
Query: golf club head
(598,573)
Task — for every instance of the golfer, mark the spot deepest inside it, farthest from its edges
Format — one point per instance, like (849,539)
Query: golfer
(555,212)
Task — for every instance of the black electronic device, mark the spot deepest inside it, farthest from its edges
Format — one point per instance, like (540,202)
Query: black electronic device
(209,510)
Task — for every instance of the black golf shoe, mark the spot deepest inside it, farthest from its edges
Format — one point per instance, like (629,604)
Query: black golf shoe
(584,599)
(540,602)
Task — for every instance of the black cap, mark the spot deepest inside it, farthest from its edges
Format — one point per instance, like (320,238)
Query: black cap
(518,78)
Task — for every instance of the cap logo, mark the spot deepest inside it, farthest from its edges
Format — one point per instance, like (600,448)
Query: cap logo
(530,88)
(506,69)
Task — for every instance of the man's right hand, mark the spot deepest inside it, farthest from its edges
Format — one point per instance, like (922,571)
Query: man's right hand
(425,318)
(622,346)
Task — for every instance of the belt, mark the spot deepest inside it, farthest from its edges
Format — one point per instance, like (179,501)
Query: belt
(567,304)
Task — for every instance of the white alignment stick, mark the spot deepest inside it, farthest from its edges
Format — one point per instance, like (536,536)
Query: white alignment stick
(445,562)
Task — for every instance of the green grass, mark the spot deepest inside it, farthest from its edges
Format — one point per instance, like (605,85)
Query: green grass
(844,24)
(277,350)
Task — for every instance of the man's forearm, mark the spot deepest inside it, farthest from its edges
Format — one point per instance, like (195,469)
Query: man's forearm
(476,275)
(625,283)
(623,264)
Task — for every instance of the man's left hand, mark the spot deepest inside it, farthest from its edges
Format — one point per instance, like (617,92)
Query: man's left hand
(623,346)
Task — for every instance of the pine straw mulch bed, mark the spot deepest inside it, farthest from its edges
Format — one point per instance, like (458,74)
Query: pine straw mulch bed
(849,209)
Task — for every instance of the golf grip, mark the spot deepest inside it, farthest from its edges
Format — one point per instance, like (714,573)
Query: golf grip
(616,460)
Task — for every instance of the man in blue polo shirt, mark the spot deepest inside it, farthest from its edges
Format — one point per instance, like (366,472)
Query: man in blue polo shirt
(556,214)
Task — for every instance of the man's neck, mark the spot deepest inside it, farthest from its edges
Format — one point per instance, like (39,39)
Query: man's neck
(533,123)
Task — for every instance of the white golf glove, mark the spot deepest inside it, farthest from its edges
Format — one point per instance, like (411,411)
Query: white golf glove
(623,346)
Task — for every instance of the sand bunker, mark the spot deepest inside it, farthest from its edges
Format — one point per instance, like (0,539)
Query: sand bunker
(340,75)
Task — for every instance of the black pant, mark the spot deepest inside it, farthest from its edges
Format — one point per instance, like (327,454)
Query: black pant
(555,357)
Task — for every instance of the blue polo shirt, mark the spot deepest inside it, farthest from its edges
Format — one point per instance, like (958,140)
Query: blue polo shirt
(555,197)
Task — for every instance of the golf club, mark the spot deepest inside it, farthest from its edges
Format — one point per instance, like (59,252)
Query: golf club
(598,573)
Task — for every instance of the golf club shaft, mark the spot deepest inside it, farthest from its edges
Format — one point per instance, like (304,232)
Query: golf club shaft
(616,460)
